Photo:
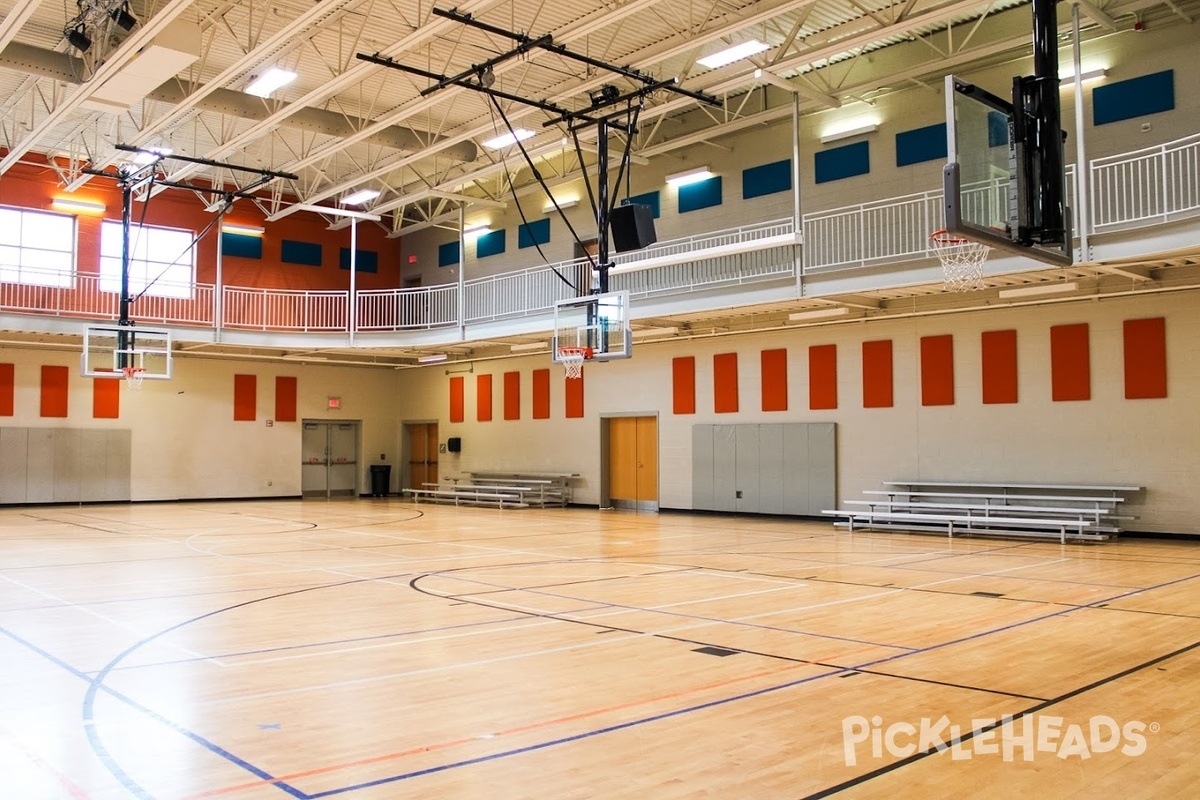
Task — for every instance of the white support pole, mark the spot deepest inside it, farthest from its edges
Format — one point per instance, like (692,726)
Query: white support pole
(1082,178)
(219,287)
(797,219)
(462,273)
(352,315)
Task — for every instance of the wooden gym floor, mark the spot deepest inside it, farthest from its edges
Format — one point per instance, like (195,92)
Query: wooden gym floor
(376,649)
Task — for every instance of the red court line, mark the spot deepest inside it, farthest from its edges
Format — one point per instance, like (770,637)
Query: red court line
(519,729)
(72,789)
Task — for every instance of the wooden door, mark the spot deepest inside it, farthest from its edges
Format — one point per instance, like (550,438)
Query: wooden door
(422,453)
(646,435)
(633,462)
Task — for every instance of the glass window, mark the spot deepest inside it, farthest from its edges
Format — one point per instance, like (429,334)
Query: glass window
(162,261)
(37,248)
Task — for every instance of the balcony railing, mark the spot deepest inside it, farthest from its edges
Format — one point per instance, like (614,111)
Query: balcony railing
(1144,187)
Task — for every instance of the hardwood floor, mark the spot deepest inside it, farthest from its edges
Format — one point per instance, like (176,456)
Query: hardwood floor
(376,649)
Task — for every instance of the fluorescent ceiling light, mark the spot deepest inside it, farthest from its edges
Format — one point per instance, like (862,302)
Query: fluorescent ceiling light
(1034,291)
(274,78)
(433,359)
(477,229)
(665,331)
(835,135)
(83,206)
(505,139)
(689,176)
(820,313)
(1089,75)
(735,53)
(563,204)
(359,197)
(150,154)
(522,348)
(243,230)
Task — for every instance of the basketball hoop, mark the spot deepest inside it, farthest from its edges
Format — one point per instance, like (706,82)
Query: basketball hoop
(134,376)
(572,359)
(962,260)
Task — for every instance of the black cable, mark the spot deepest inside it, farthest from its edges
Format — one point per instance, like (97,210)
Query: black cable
(195,240)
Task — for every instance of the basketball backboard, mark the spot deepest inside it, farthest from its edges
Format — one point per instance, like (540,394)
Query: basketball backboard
(598,322)
(109,351)
(987,193)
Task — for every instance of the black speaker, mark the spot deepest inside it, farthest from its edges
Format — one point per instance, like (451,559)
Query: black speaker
(632,227)
(454,444)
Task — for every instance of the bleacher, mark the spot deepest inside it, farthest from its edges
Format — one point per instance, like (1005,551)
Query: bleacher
(500,490)
(1078,512)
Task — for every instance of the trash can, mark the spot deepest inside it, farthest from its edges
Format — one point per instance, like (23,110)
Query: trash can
(381,479)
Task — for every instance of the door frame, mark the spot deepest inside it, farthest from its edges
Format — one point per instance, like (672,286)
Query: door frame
(405,449)
(605,497)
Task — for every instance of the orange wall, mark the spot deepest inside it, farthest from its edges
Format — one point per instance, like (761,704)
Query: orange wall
(29,186)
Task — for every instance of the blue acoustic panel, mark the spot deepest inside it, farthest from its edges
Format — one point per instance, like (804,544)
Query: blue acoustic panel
(1136,97)
(767,179)
(702,194)
(236,244)
(448,254)
(364,260)
(647,199)
(842,162)
(306,253)
(997,129)
(490,244)
(921,144)
(536,232)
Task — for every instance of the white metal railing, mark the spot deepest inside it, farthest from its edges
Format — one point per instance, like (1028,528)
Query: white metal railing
(1155,184)
(526,292)
(407,309)
(284,310)
(894,229)
(742,235)
(707,273)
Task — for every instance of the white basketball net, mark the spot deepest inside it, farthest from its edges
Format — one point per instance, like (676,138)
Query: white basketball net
(962,261)
(572,360)
(134,377)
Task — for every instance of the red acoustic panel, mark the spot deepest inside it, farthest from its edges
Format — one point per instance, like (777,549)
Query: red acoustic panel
(1145,358)
(512,395)
(822,377)
(483,398)
(106,398)
(774,380)
(877,374)
(683,385)
(541,394)
(54,391)
(725,383)
(937,370)
(998,350)
(285,398)
(457,403)
(245,398)
(7,389)
(1070,363)
(574,396)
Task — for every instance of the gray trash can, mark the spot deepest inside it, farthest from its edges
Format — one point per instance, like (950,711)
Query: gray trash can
(381,479)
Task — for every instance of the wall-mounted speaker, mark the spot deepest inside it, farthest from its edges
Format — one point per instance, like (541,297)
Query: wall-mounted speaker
(632,227)
(454,444)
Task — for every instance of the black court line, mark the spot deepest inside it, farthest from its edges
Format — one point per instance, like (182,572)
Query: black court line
(884,770)
(949,684)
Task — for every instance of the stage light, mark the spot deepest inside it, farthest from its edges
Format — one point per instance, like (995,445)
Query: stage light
(78,38)
(123,17)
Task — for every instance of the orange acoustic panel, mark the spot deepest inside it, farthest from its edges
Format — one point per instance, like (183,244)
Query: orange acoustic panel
(285,398)
(937,370)
(822,376)
(998,350)
(877,374)
(7,389)
(456,399)
(106,398)
(512,395)
(245,398)
(1145,358)
(54,391)
(541,394)
(683,385)
(725,383)
(483,398)
(774,380)
(1070,363)
(574,396)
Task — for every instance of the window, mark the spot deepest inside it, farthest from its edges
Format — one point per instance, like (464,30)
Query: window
(162,261)
(37,248)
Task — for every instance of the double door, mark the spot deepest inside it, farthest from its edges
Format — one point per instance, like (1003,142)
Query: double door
(329,459)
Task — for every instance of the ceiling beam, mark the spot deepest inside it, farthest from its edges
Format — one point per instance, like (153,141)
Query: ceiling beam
(15,20)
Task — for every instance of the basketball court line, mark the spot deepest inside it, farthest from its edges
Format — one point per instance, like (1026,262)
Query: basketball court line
(68,785)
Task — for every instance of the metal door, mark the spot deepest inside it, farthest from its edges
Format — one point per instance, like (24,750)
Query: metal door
(329,459)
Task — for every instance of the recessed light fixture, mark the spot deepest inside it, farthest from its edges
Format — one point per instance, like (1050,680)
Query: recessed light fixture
(272,79)
(243,230)
(505,139)
(1034,291)
(564,204)
(477,229)
(78,206)
(432,359)
(836,135)
(819,313)
(359,197)
(1068,78)
(690,176)
(735,53)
